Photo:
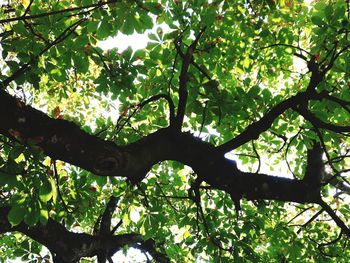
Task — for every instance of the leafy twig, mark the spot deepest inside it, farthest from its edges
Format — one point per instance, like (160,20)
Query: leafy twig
(27,65)
(308,115)
(65,206)
(310,220)
(290,46)
(335,217)
(68,10)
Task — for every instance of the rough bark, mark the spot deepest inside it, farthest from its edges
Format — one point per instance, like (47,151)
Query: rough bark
(64,140)
(68,247)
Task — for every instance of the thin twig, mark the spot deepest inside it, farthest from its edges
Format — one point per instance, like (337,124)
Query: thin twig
(299,214)
(67,32)
(310,220)
(65,206)
(288,45)
(183,79)
(335,217)
(203,117)
(25,17)
(166,199)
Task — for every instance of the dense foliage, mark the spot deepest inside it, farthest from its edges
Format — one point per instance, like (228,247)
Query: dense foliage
(103,150)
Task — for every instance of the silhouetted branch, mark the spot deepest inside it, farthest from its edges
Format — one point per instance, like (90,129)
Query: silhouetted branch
(299,214)
(310,220)
(57,12)
(65,206)
(257,156)
(290,46)
(142,104)
(67,32)
(335,217)
(105,225)
(319,123)
(253,131)
(70,246)
(183,79)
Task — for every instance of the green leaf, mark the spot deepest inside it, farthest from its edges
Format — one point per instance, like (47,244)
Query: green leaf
(128,25)
(32,216)
(328,11)
(317,20)
(154,8)
(146,21)
(44,216)
(15,152)
(45,191)
(104,29)
(92,26)
(19,28)
(81,63)
(16,215)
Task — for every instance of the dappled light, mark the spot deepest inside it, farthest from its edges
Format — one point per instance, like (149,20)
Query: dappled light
(174,131)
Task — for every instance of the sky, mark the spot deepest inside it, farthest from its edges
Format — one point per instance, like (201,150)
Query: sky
(135,41)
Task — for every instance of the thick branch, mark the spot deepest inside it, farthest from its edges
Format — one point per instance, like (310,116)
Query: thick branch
(253,131)
(70,247)
(63,140)
(105,225)
(262,186)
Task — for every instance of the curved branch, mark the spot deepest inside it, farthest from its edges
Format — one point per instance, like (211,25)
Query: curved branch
(286,152)
(142,104)
(106,220)
(70,246)
(161,96)
(290,46)
(314,217)
(343,103)
(258,157)
(254,130)
(63,140)
(308,115)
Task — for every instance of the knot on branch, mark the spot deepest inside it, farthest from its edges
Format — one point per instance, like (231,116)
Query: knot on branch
(107,165)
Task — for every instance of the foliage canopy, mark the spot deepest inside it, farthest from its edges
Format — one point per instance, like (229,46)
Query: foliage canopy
(106,150)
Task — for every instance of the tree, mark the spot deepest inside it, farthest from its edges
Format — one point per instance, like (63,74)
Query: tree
(265,81)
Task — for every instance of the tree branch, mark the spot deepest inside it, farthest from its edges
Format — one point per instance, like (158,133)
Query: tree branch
(57,12)
(183,79)
(345,104)
(335,217)
(23,69)
(319,123)
(253,131)
(63,140)
(105,225)
(290,46)
(70,246)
